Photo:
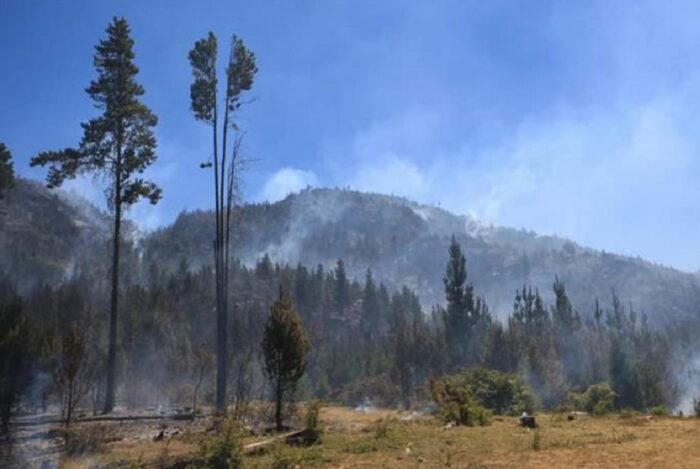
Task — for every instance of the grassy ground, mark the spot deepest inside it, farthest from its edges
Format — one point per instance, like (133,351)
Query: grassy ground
(398,440)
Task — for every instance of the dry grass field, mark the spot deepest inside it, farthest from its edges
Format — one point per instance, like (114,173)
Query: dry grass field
(391,439)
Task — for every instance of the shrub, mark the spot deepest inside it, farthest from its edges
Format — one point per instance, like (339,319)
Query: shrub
(598,399)
(313,430)
(658,411)
(457,404)
(84,441)
(382,427)
(223,450)
(536,440)
(501,393)
(696,407)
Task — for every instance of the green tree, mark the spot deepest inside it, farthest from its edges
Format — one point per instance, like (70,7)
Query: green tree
(370,308)
(14,350)
(464,311)
(285,347)
(7,174)
(118,145)
(73,355)
(341,290)
(240,71)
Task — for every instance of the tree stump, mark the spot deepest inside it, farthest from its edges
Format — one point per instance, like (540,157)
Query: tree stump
(528,421)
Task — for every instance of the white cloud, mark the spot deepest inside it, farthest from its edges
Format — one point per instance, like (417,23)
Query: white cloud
(286,181)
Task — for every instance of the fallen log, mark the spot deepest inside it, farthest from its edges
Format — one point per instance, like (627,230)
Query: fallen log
(259,445)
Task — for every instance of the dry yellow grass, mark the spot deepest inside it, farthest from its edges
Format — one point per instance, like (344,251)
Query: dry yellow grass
(355,440)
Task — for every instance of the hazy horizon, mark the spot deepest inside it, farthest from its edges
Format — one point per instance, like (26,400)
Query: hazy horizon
(574,120)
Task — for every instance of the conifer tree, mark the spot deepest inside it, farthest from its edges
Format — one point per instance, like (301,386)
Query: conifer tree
(463,310)
(118,145)
(341,291)
(285,347)
(14,345)
(370,307)
(7,174)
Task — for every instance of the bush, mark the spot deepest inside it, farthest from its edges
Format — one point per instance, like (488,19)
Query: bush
(696,407)
(382,427)
(598,399)
(457,404)
(84,441)
(223,450)
(500,393)
(658,411)
(313,430)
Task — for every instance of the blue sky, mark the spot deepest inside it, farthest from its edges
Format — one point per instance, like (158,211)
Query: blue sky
(575,118)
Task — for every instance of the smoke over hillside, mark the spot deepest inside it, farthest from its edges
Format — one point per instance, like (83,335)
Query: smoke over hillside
(405,243)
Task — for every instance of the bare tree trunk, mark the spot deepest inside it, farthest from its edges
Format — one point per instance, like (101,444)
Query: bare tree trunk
(278,406)
(200,380)
(69,403)
(110,391)
(220,289)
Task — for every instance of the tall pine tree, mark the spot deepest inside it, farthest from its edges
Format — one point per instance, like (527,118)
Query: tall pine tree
(119,145)
(240,71)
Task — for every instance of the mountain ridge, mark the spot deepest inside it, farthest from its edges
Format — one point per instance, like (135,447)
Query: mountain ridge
(402,241)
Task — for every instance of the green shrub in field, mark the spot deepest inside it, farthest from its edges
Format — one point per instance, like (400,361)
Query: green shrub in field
(457,404)
(476,390)
(659,410)
(598,399)
(223,450)
(313,430)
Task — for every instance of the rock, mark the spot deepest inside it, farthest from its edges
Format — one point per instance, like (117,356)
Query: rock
(527,421)
(159,436)
(570,417)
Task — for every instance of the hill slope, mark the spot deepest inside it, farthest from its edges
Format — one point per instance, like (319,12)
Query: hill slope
(406,243)
(45,233)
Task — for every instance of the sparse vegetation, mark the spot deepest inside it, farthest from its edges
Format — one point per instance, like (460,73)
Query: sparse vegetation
(313,429)
(84,441)
(223,450)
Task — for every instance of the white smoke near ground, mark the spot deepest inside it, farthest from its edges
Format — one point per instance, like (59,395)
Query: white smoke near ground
(689,383)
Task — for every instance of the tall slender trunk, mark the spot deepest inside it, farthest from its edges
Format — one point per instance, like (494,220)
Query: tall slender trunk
(220,288)
(278,405)
(222,318)
(110,392)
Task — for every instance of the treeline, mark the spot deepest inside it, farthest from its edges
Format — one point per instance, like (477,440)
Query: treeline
(366,342)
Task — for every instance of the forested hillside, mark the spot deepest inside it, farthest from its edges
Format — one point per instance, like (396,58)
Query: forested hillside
(46,233)
(404,244)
